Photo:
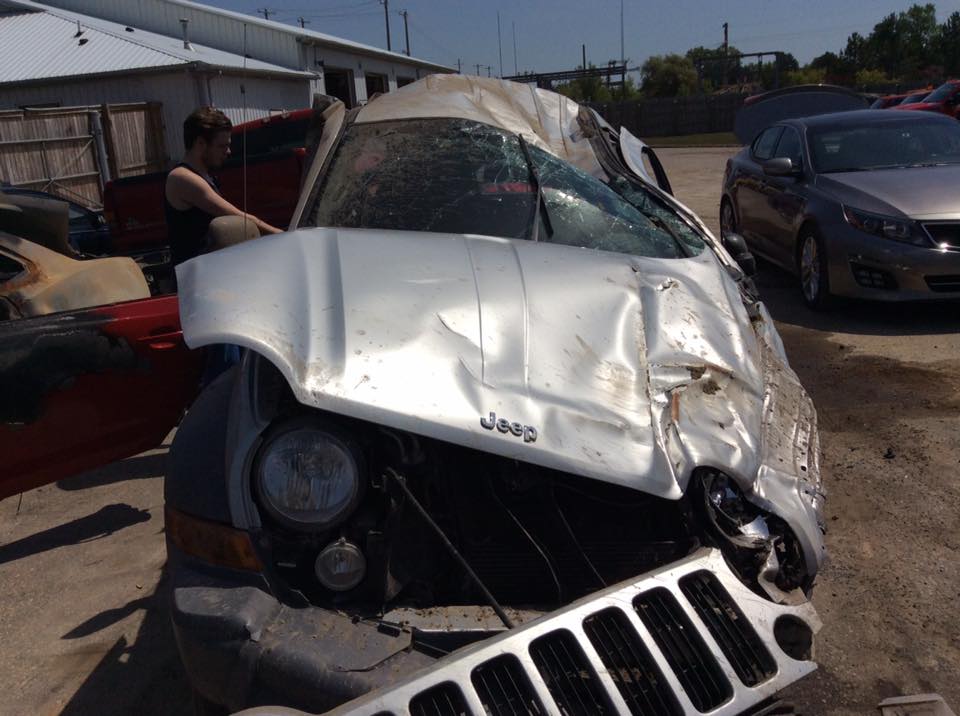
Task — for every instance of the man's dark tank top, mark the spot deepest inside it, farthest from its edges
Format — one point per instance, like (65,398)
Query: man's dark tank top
(187,229)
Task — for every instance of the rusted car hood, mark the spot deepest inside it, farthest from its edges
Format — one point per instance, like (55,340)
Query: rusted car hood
(628,370)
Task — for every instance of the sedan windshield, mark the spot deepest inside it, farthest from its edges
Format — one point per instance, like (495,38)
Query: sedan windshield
(885,145)
(464,177)
(943,92)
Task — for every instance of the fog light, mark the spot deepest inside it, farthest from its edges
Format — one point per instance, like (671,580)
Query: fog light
(341,566)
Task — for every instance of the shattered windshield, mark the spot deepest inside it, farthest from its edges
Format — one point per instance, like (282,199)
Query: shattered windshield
(460,176)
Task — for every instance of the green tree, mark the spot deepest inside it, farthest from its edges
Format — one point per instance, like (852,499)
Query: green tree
(871,78)
(715,67)
(836,69)
(668,76)
(586,89)
(806,76)
(948,45)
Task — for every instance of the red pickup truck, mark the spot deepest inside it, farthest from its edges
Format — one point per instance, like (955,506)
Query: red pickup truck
(133,206)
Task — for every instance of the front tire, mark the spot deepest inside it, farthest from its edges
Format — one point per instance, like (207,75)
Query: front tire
(812,267)
(728,218)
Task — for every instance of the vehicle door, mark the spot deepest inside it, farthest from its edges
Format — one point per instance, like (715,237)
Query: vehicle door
(785,200)
(750,191)
(84,388)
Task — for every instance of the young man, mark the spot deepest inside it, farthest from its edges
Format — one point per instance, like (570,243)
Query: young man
(192,198)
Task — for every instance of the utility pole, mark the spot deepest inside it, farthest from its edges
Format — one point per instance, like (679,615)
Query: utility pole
(478,69)
(726,50)
(266,12)
(515,48)
(386,18)
(406,31)
(583,49)
(459,68)
(303,22)
(623,60)
(499,43)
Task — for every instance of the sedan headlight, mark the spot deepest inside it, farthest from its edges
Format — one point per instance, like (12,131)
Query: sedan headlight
(888,227)
(306,478)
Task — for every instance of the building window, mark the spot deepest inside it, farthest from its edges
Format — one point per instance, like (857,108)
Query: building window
(339,84)
(376,84)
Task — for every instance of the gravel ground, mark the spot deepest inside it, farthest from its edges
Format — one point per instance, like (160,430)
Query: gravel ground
(81,562)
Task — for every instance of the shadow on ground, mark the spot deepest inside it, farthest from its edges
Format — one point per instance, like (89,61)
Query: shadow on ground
(781,293)
(135,468)
(140,677)
(103,522)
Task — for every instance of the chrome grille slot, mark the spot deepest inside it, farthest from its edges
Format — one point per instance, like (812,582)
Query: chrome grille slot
(504,688)
(442,700)
(729,628)
(630,665)
(568,676)
(684,648)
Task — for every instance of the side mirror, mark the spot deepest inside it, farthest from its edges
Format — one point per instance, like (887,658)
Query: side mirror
(780,167)
(737,246)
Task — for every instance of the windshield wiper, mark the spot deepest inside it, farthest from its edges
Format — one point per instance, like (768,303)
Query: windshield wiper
(541,209)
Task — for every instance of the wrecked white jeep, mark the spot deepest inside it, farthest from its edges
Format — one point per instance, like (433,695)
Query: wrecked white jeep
(512,433)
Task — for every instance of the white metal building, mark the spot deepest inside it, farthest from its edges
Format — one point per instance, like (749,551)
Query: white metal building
(91,52)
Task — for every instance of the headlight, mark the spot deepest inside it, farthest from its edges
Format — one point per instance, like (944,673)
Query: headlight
(887,227)
(306,478)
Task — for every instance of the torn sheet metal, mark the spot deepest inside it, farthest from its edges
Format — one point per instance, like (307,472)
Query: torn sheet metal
(636,373)
(546,119)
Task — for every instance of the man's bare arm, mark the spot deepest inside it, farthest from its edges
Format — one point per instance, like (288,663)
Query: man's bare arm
(185,189)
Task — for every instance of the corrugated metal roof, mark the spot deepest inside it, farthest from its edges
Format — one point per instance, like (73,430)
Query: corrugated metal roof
(161,12)
(320,37)
(40,42)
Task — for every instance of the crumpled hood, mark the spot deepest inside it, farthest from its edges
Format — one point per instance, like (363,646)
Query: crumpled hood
(624,369)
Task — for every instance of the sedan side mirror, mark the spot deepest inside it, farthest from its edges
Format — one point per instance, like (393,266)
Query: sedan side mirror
(780,167)
(737,246)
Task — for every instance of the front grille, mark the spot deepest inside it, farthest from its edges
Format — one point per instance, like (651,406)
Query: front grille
(630,665)
(504,689)
(729,627)
(870,277)
(946,235)
(594,657)
(567,675)
(943,284)
(442,700)
(685,651)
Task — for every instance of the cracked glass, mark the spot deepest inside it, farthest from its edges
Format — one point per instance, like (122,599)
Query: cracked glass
(465,177)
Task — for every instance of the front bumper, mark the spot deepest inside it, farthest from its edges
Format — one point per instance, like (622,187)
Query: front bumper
(888,270)
(241,647)
(685,639)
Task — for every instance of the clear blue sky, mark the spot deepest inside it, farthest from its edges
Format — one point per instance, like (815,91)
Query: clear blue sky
(549,32)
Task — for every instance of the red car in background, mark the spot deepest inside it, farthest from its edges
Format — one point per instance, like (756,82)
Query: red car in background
(945,100)
(133,206)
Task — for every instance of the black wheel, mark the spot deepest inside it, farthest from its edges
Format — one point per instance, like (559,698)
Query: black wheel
(728,218)
(813,270)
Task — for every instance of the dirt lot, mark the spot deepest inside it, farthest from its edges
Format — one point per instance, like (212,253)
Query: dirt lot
(85,632)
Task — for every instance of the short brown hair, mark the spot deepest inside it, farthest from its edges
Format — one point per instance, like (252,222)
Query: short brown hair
(206,122)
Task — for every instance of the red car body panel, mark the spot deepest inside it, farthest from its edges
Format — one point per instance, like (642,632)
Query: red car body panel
(133,206)
(84,388)
(949,105)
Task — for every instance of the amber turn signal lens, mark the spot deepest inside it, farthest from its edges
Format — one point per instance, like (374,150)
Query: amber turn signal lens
(211,541)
